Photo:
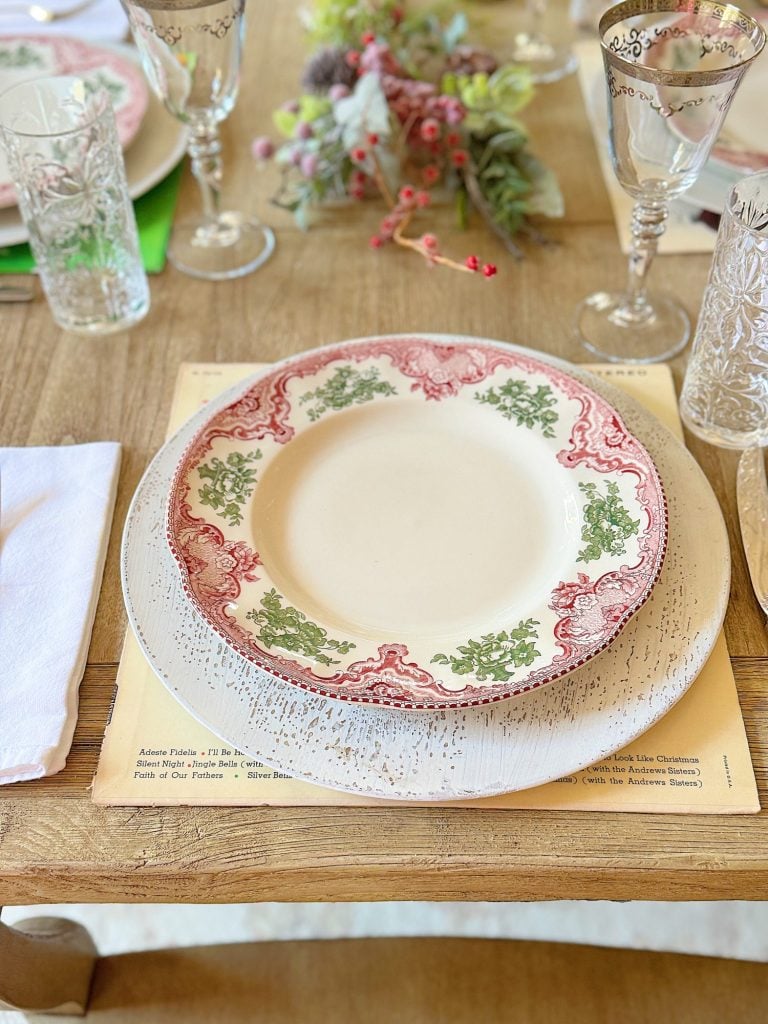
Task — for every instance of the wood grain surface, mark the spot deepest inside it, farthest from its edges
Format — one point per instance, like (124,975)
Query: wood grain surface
(421,981)
(322,286)
(47,966)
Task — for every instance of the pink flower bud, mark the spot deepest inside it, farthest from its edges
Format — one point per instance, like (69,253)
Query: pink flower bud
(309,165)
(454,112)
(262,148)
(338,92)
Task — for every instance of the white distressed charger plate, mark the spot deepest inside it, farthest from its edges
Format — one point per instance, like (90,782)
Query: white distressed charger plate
(449,754)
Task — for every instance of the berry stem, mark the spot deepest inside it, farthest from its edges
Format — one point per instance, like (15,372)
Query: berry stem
(381,182)
(416,246)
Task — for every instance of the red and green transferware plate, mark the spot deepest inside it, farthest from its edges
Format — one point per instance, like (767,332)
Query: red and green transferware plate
(418,522)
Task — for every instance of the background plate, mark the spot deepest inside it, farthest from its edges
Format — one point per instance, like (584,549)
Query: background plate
(159,145)
(35,56)
(743,142)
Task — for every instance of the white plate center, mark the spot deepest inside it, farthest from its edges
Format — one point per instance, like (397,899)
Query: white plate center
(411,520)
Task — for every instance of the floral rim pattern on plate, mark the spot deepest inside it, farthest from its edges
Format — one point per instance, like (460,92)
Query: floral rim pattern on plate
(622,522)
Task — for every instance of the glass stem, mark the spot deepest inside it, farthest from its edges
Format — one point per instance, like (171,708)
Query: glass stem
(536,12)
(205,150)
(649,220)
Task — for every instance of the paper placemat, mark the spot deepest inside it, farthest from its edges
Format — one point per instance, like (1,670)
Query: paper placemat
(685,232)
(695,760)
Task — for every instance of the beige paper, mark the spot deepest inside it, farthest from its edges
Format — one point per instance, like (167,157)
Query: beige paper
(695,760)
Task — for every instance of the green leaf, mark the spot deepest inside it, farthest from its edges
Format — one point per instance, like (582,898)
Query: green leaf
(312,107)
(545,197)
(285,122)
(455,31)
(366,110)
(301,216)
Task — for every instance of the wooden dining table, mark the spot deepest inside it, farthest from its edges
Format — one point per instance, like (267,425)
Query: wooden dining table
(322,285)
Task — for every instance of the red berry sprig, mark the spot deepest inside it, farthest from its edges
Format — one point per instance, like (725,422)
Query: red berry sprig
(392,229)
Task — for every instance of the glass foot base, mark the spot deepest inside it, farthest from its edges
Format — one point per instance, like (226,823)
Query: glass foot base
(605,331)
(102,325)
(235,246)
(547,61)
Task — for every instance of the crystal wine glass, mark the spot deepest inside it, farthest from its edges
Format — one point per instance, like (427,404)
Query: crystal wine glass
(672,69)
(191,53)
(547,60)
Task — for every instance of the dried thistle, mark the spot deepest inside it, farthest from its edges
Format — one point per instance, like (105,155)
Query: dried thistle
(328,67)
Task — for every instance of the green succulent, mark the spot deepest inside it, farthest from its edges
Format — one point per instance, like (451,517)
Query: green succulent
(311,109)
(491,100)
(342,22)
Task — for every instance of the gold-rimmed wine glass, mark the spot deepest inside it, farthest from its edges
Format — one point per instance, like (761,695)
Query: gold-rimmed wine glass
(672,69)
(191,52)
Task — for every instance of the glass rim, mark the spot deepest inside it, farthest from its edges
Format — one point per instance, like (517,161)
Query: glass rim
(99,93)
(737,216)
(174,5)
(685,79)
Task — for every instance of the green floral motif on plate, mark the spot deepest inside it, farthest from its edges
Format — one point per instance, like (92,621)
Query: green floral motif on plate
(346,387)
(606,523)
(231,483)
(22,56)
(527,406)
(98,80)
(496,655)
(289,629)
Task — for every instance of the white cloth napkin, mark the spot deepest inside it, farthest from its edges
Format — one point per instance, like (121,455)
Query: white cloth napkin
(56,508)
(103,20)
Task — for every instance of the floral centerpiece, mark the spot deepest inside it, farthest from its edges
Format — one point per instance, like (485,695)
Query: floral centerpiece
(397,104)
